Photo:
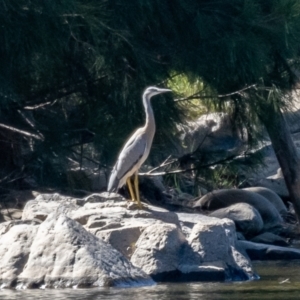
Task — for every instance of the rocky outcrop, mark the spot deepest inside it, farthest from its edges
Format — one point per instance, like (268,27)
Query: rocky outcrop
(208,254)
(214,132)
(61,253)
(104,240)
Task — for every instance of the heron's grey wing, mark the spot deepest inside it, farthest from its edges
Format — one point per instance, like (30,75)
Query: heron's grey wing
(128,160)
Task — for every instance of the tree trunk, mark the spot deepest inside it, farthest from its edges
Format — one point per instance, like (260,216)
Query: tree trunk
(286,154)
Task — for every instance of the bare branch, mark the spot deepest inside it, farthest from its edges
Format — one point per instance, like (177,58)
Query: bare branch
(37,106)
(30,122)
(178,171)
(198,95)
(22,132)
(163,164)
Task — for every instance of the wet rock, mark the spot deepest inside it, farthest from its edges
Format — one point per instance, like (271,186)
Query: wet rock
(246,218)
(270,238)
(258,251)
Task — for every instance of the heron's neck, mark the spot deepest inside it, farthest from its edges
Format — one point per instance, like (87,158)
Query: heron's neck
(150,121)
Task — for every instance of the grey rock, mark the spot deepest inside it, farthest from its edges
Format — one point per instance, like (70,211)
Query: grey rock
(213,244)
(246,218)
(240,236)
(271,196)
(93,210)
(71,248)
(214,132)
(64,254)
(258,251)
(104,197)
(223,198)
(179,199)
(7,214)
(275,183)
(270,175)
(123,238)
(214,236)
(209,254)
(189,220)
(44,204)
(270,238)
(15,246)
(158,249)
(6,226)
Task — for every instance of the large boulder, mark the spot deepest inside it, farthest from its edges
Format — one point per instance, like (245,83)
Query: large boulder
(107,215)
(213,244)
(158,250)
(89,241)
(226,197)
(214,132)
(246,218)
(271,196)
(15,246)
(209,254)
(64,254)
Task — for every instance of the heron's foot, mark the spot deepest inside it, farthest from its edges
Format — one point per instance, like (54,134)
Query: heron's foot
(140,205)
(133,204)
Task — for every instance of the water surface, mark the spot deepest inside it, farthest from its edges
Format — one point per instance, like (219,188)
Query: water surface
(279,280)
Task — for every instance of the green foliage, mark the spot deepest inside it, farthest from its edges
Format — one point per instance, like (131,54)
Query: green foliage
(73,71)
(69,76)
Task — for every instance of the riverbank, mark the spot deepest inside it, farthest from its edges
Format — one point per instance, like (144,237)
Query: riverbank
(279,280)
(104,240)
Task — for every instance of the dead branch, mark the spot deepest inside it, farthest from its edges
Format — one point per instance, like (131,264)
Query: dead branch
(22,132)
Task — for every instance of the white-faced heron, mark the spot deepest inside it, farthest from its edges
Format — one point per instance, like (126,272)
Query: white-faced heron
(136,150)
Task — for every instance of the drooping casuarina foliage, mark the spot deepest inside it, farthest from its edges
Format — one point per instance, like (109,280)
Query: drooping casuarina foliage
(72,73)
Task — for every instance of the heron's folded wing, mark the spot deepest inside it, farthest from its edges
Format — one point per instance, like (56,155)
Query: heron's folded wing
(128,160)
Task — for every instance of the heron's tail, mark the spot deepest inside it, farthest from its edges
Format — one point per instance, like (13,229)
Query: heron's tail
(113,184)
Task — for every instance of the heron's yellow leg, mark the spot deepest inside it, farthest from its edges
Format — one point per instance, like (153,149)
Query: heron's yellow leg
(136,187)
(130,189)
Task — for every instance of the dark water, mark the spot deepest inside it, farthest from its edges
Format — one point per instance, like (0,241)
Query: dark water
(279,281)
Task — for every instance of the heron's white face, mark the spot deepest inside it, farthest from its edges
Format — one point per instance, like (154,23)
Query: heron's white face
(153,90)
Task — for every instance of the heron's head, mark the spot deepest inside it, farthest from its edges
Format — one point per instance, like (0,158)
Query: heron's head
(153,90)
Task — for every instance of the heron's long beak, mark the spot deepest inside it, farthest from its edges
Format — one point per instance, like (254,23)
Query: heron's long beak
(160,90)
